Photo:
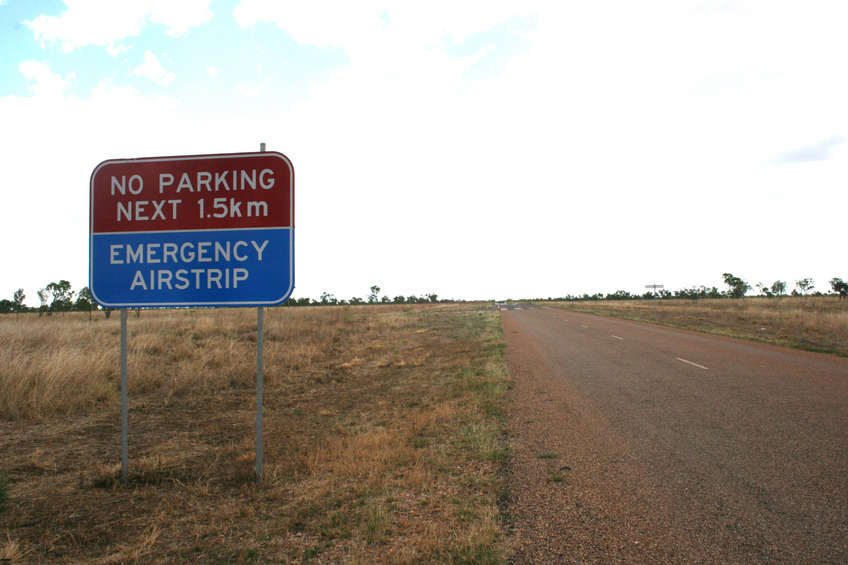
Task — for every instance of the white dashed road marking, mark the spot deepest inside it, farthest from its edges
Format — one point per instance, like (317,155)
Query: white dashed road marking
(691,363)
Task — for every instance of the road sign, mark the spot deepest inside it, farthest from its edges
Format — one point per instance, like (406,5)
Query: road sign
(199,230)
(655,287)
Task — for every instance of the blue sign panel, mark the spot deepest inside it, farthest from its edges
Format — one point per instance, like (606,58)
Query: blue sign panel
(212,268)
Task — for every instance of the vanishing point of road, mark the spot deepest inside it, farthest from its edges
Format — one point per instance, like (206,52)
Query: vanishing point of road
(637,443)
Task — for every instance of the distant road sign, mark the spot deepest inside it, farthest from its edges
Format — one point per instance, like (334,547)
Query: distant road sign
(199,230)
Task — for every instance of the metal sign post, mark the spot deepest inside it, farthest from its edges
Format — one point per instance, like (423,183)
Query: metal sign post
(654,287)
(260,346)
(124,416)
(260,367)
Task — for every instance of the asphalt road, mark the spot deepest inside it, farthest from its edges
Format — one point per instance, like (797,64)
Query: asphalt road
(635,443)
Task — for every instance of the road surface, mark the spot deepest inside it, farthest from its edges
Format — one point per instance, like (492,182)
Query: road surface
(636,443)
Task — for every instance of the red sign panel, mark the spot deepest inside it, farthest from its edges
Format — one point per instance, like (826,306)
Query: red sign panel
(187,193)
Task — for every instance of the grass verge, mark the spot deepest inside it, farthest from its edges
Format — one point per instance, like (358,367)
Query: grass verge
(383,438)
(813,323)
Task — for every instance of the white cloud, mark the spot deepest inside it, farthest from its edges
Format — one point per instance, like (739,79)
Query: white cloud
(58,140)
(323,24)
(179,17)
(398,52)
(383,37)
(348,24)
(105,22)
(818,152)
(251,91)
(47,84)
(212,70)
(607,130)
(152,69)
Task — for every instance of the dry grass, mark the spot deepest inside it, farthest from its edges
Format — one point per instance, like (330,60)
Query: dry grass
(47,371)
(816,323)
(381,426)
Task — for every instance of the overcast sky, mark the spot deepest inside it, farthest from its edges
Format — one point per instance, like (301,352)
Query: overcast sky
(470,149)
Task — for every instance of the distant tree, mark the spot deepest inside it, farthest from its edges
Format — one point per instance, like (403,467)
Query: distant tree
(18,300)
(688,293)
(737,287)
(764,290)
(840,287)
(399,299)
(62,295)
(778,288)
(43,297)
(385,299)
(375,294)
(698,293)
(6,306)
(619,295)
(85,302)
(433,297)
(805,285)
(327,298)
(354,300)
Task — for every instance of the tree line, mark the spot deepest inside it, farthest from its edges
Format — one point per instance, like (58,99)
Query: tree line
(55,297)
(736,288)
(373,297)
(60,297)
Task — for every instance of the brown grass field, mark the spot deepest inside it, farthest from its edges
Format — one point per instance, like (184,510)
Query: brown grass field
(383,430)
(814,323)
(383,440)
